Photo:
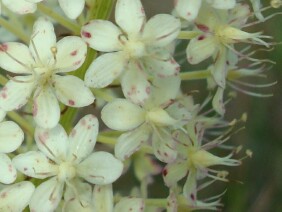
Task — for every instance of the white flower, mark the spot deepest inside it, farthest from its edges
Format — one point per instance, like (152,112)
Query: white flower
(188,9)
(134,50)
(151,118)
(42,67)
(195,161)
(72,8)
(16,197)
(218,35)
(66,160)
(11,137)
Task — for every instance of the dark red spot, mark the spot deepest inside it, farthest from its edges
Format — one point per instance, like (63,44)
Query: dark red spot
(3,47)
(164,172)
(192,197)
(202,27)
(202,37)
(73,53)
(71,102)
(86,34)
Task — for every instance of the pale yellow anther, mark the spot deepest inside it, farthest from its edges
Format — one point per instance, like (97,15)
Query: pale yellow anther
(276,3)
(249,153)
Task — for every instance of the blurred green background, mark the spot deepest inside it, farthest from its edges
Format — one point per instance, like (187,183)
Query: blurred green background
(256,186)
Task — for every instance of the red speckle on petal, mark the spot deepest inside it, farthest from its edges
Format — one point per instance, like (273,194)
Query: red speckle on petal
(10,168)
(86,34)
(77,63)
(73,53)
(83,122)
(148,90)
(188,13)
(73,133)
(201,37)
(202,27)
(142,10)
(3,47)
(34,109)
(164,172)
(4,95)
(3,195)
(71,102)
(192,197)
(43,137)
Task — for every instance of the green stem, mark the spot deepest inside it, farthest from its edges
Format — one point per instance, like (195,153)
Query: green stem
(101,93)
(195,75)
(22,122)
(101,9)
(14,29)
(60,19)
(106,140)
(187,35)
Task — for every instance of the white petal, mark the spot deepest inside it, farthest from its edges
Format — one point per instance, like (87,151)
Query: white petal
(200,48)
(130,142)
(71,53)
(103,198)
(219,71)
(15,58)
(104,70)
(35,164)
(174,172)
(130,204)
(188,9)
(72,8)
(42,40)
(223,4)
(7,170)
(52,142)
(130,16)
(82,138)
(161,30)
(20,6)
(162,68)
(11,136)
(217,102)
(135,86)
(46,110)
(163,146)
(2,114)
(47,195)
(102,35)
(163,91)
(100,168)
(123,115)
(16,197)
(71,91)
(79,201)
(190,187)
(16,93)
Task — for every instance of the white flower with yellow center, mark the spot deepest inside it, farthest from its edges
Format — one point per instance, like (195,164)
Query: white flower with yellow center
(189,9)
(72,8)
(16,197)
(11,137)
(153,118)
(67,160)
(134,50)
(42,67)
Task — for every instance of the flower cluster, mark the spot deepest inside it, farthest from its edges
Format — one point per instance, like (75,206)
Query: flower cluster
(132,70)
